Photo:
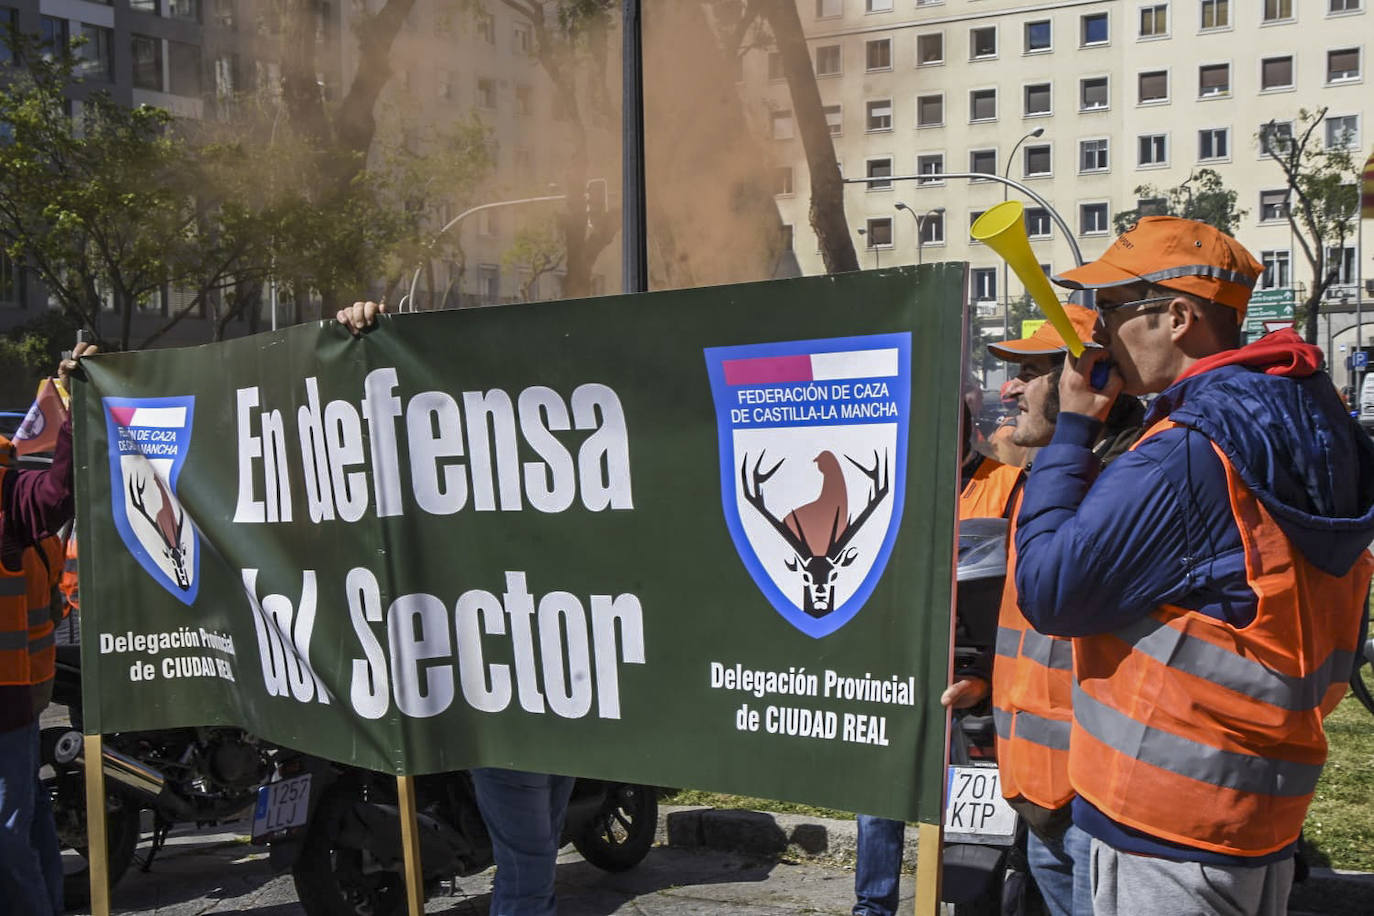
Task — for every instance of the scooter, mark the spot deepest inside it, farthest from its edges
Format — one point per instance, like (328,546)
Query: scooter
(985,869)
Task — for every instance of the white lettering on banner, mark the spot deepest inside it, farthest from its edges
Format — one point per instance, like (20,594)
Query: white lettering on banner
(458,455)
(284,633)
(562,661)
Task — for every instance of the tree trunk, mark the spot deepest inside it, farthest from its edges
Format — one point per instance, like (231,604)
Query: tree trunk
(827,188)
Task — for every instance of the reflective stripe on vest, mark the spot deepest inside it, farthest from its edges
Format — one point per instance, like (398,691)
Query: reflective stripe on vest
(1032,687)
(14,621)
(1209,735)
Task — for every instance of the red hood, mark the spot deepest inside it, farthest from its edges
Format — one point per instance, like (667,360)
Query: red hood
(1278,353)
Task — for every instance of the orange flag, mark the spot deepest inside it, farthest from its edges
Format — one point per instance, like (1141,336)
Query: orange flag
(38,431)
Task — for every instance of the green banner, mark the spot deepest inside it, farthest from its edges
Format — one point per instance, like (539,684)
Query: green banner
(698,538)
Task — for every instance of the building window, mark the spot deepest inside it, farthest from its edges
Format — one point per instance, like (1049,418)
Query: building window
(1216,14)
(1154,21)
(932,228)
(930,110)
(878,54)
(146,54)
(827,60)
(1092,155)
(486,27)
(1342,65)
(833,119)
(1342,132)
(522,38)
(1092,219)
(878,6)
(775,71)
(1154,86)
(1276,134)
(1276,269)
(982,42)
(879,115)
(1039,36)
(1276,73)
(1152,206)
(1341,262)
(1214,80)
(782,180)
(184,9)
(97,54)
(1344,6)
(488,225)
(1154,149)
(1038,161)
(879,168)
(782,125)
(1038,99)
(930,164)
(930,49)
(1092,93)
(828,9)
(1278,10)
(879,233)
(183,66)
(524,100)
(1094,29)
(983,161)
(486,93)
(53,34)
(982,105)
(1273,205)
(489,282)
(984,283)
(1037,222)
(1214,143)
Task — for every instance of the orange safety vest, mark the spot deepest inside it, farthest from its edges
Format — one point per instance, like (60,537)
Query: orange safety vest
(1207,734)
(27,651)
(989,493)
(67,584)
(1032,689)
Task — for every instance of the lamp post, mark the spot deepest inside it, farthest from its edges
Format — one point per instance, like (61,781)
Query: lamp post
(920,225)
(863,233)
(1006,276)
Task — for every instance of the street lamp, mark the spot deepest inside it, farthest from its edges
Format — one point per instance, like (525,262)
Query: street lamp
(1006,277)
(920,224)
(872,247)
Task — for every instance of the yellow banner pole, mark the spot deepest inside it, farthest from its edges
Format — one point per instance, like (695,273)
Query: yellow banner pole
(929,852)
(410,842)
(97,844)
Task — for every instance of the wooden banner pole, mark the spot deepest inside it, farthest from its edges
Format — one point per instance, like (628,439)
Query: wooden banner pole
(929,850)
(97,844)
(410,841)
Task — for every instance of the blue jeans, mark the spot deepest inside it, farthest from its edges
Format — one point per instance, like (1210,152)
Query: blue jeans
(524,815)
(30,858)
(878,875)
(1062,869)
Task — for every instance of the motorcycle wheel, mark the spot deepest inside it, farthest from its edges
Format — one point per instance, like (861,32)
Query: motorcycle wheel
(1363,678)
(122,831)
(336,881)
(618,837)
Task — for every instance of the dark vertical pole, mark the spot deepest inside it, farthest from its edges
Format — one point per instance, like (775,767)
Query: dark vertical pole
(634,245)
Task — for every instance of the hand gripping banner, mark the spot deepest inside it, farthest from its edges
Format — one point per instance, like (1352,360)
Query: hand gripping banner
(694,538)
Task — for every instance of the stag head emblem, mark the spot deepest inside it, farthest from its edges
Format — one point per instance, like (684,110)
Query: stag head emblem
(819,532)
(168,522)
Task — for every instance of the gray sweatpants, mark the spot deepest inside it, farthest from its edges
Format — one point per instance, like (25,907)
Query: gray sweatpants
(1128,885)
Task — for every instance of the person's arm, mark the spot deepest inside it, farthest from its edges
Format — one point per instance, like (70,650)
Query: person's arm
(39,502)
(1097,551)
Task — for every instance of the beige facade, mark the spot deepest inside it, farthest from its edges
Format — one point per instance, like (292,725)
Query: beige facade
(1127,94)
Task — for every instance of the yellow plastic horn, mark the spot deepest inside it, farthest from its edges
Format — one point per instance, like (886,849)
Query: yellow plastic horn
(1003,230)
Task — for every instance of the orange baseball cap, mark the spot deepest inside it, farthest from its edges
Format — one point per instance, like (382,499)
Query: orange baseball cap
(1045,339)
(1176,253)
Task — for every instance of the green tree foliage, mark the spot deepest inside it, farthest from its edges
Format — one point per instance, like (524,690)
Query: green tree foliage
(1323,201)
(536,251)
(1201,196)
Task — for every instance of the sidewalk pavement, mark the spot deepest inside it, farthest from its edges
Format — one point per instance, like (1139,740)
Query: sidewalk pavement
(707,861)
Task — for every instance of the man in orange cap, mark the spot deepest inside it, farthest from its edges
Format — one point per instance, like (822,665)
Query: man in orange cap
(1032,676)
(1213,578)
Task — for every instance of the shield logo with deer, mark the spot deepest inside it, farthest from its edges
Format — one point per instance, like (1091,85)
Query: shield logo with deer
(813,441)
(149,438)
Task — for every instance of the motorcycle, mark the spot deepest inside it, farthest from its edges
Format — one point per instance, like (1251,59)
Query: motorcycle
(985,869)
(206,776)
(338,829)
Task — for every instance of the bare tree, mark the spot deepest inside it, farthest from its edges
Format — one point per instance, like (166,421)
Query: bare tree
(1322,200)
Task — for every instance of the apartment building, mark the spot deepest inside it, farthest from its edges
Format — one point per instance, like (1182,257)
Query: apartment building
(1081,100)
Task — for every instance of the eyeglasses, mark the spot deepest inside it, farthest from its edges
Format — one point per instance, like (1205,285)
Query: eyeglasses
(1106,307)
